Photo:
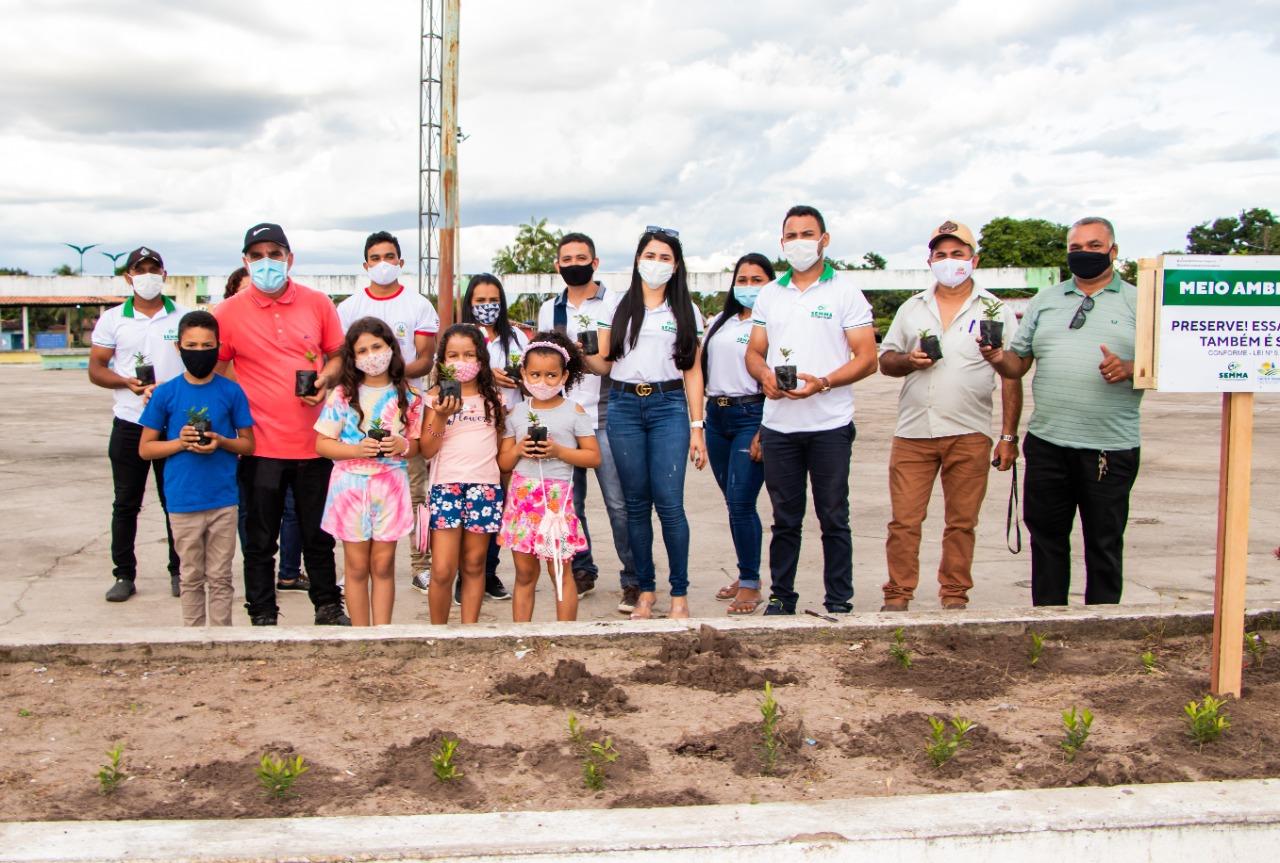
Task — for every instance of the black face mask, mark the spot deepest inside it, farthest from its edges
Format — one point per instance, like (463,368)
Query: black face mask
(199,363)
(1088,265)
(577,275)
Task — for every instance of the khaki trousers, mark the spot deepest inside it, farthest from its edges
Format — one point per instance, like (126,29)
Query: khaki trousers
(914,464)
(206,543)
(418,466)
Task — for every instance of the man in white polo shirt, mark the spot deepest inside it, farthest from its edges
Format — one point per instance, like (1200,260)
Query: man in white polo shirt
(141,332)
(573,312)
(810,320)
(414,322)
(944,418)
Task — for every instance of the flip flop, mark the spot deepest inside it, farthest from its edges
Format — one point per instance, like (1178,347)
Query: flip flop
(745,606)
(725,594)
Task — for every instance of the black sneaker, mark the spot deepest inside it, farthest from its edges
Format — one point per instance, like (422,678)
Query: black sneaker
(263,620)
(839,608)
(422,582)
(457,591)
(299,583)
(331,615)
(585,581)
(630,596)
(777,606)
(175,585)
(121,590)
(493,588)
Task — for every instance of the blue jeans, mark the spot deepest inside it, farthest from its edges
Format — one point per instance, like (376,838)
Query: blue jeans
(614,504)
(649,436)
(290,535)
(729,433)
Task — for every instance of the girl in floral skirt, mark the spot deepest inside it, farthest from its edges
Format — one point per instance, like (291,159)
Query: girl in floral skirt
(547,436)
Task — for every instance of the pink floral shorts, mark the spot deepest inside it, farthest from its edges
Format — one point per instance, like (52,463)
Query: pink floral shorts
(529,504)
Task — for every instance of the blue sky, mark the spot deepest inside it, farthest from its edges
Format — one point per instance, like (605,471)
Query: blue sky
(178,125)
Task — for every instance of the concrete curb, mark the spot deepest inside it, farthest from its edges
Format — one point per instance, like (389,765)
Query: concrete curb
(1150,822)
(166,643)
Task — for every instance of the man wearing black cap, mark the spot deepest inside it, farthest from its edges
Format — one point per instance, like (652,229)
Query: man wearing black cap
(272,330)
(132,352)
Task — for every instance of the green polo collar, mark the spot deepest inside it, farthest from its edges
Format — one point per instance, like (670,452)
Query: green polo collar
(828,273)
(169,306)
(1115,284)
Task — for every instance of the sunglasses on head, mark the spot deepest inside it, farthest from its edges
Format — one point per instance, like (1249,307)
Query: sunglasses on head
(1077,321)
(656,229)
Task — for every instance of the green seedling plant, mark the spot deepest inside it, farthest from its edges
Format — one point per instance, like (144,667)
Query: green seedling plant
(24,712)
(1206,721)
(991,309)
(111,774)
(771,716)
(584,321)
(943,744)
(925,334)
(442,761)
(576,735)
(786,354)
(899,650)
(310,356)
(1077,729)
(1149,662)
(596,763)
(277,775)
(1254,643)
(1037,648)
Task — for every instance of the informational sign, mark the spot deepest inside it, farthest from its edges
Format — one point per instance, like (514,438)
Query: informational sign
(1219,324)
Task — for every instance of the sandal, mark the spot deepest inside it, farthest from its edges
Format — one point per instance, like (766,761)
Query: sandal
(644,609)
(725,594)
(745,606)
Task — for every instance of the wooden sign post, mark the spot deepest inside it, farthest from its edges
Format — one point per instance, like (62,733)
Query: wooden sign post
(1212,324)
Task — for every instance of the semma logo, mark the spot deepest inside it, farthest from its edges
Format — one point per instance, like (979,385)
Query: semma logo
(1233,373)
(821,312)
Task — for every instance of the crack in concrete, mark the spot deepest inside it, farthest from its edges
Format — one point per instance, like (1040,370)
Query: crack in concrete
(32,580)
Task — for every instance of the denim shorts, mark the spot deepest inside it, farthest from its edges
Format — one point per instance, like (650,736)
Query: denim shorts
(475,506)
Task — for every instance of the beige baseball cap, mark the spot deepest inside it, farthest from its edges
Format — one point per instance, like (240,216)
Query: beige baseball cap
(956,230)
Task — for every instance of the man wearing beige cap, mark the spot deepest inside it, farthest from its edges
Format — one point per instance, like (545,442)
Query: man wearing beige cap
(944,417)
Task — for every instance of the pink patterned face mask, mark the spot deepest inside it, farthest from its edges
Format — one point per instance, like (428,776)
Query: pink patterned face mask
(466,371)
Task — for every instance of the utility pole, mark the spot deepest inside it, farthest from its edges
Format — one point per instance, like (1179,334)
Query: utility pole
(449,161)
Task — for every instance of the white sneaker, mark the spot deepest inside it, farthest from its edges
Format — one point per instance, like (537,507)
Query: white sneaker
(422,582)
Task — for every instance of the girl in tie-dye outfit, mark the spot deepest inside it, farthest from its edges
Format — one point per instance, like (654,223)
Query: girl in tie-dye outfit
(370,427)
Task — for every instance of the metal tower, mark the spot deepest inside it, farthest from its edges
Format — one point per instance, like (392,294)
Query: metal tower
(430,61)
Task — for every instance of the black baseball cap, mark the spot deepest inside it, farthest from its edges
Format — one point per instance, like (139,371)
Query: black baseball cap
(141,254)
(265,232)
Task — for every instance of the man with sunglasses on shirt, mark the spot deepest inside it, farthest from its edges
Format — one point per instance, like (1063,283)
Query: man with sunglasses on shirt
(1082,444)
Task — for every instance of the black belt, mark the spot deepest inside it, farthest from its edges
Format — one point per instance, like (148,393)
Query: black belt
(734,401)
(643,390)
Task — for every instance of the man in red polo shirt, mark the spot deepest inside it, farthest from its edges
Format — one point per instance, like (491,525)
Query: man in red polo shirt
(271,331)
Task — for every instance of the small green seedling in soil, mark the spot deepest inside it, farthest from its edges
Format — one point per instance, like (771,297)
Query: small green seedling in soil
(442,761)
(1148,662)
(1256,646)
(899,649)
(596,763)
(575,732)
(277,775)
(1037,648)
(771,715)
(943,745)
(111,775)
(24,712)
(1206,721)
(1077,728)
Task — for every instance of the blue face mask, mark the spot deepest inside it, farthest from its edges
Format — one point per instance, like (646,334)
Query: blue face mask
(486,313)
(268,274)
(746,294)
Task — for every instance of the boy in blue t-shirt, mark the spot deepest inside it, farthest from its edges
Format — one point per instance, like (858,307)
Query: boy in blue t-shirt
(200,423)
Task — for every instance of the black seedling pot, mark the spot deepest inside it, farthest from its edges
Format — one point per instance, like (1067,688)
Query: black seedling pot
(538,434)
(378,434)
(450,388)
(201,426)
(992,333)
(304,382)
(932,347)
(786,377)
(513,371)
(590,341)
(145,373)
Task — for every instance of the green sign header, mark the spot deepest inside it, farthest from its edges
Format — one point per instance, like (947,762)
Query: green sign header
(1222,288)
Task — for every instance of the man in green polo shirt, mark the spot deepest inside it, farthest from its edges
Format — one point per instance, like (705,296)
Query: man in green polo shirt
(1082,445)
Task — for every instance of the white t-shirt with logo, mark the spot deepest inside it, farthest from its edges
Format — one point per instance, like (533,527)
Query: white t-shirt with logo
(130,333)
(587,393)
(407,313)
(726,352)
(813,325)
(650,361)
(498,361)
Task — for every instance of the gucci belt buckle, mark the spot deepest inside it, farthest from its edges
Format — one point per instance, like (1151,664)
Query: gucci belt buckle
(722,401)
(644,390)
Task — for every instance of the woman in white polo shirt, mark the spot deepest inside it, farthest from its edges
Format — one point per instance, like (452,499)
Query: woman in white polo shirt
(735,405)
(649,347)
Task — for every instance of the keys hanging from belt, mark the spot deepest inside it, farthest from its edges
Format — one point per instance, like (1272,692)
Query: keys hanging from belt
(1102,464)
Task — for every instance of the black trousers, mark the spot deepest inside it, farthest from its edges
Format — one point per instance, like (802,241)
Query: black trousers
(129,475)
(790,461)
(1059,481)
(264,482)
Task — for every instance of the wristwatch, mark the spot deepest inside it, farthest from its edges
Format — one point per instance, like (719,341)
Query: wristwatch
(1009,438)
(826,385)
(697,424)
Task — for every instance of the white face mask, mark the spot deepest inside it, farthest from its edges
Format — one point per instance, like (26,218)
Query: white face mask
(801,254)
(384,273)
(148,285)
(951,272)
(655,274)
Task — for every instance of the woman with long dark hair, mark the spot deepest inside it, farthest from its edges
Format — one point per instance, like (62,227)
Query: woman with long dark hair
(649,347)
(735,406)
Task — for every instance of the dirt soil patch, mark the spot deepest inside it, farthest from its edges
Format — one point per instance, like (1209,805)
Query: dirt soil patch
(854,723)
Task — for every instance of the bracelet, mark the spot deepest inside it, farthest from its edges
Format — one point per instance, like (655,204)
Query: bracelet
(1009,438)
(697,424)
(434,433)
